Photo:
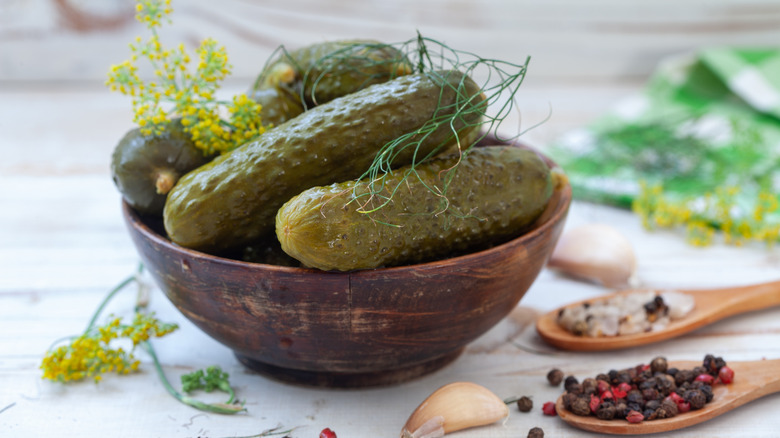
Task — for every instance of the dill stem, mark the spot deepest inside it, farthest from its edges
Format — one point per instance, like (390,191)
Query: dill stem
(111,295)
(197,404)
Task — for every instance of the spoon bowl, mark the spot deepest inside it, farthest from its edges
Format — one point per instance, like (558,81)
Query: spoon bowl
(752,380)
(711,305)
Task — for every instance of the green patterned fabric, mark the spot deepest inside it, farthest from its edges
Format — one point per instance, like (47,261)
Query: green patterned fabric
(704,122)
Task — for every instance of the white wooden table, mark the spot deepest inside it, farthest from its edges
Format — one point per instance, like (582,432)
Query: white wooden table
(63,244)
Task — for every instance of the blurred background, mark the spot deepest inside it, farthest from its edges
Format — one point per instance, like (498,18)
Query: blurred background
(585,55)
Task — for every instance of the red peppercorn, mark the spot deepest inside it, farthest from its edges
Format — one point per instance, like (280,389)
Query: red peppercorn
(549,408)
(327,433)
(675,397)
(621,390)
(634,417)
(683,407)
(607,396)
(602,386)
(726,375)
(706,378)
(594,403)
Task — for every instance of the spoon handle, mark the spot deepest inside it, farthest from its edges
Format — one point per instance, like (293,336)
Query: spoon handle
(734,300)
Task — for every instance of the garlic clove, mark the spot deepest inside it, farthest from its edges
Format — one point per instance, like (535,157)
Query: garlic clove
(597,253)
(455,406)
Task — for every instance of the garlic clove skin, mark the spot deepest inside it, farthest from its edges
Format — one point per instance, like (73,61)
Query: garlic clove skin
(455,406)
(595,252)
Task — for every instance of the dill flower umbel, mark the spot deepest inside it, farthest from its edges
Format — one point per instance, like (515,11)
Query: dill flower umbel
(180,91)
(92,354)
(722,209)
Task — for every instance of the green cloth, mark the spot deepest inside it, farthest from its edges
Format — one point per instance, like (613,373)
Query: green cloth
(703,121)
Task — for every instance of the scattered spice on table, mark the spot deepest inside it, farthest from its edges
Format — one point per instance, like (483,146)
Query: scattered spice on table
(536,432)
(327,433)
(525,404)
(555,377)
(647,391)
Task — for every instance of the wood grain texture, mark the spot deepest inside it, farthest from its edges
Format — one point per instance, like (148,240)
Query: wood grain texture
(602,40)
(63,243)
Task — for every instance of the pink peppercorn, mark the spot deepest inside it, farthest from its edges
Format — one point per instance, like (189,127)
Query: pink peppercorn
(706,378)
(621,390)
(726,375)
(594,403)
(634,417)
(549,408)
(327,433)
(602,386)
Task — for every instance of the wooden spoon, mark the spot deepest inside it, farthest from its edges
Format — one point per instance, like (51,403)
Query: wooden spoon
(751,380)
(710,305)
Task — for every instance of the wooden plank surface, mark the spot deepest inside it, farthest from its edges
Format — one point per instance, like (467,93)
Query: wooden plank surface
(63,244)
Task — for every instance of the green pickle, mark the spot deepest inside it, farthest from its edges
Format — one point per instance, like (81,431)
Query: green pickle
(233,200)
(145,167)
(319,73)
(494,195)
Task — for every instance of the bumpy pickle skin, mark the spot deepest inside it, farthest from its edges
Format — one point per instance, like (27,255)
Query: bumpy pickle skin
(497,192)
(233,200)
(321,72)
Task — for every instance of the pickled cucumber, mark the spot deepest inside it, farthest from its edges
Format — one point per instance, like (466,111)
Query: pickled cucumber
(321,72)
(233,200)
(145,167)
(496,192)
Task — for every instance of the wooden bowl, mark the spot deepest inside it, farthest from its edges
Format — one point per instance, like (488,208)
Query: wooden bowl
(353,329)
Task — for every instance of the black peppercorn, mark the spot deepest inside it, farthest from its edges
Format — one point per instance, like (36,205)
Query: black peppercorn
(580,407)
(621,409)
(536,432)
(635,396)
(713,364)
(588,386)
(683,376)
(632,406)
(707,390)
(653,404)
(569,381)
(670,408)
(606,411)
(525,404)
(555,377)
(672,371)
(696,398)
(650,394)
(568,399)
(624,377)
(659,365)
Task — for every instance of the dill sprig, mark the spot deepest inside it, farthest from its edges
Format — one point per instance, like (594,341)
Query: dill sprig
(179,92)
(93,354)
(498,82)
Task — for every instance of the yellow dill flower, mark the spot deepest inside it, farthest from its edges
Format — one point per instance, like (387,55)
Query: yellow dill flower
(718,210)
(178,92)
(92,354)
